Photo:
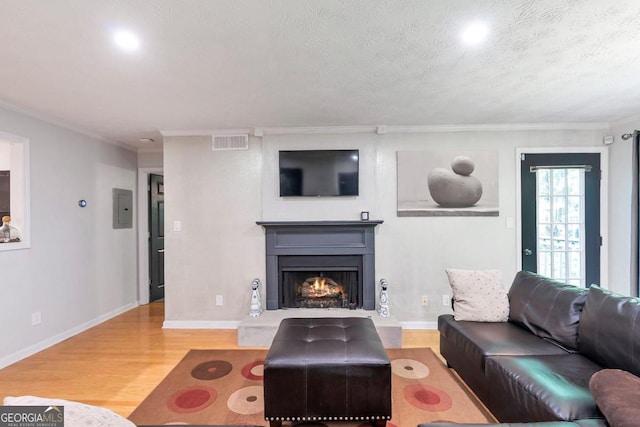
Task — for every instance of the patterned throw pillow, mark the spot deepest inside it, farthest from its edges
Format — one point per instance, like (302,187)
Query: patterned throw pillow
(478,295)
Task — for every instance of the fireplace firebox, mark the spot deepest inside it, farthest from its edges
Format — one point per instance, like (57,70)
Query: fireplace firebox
(319,289)
(326,281)
(320,264)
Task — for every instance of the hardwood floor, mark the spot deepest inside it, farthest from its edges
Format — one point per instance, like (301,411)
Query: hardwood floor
(119,362)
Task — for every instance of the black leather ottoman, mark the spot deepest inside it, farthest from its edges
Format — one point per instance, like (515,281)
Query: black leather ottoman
(332,369)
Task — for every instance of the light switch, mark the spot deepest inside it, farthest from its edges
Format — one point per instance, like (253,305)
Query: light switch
(177,225)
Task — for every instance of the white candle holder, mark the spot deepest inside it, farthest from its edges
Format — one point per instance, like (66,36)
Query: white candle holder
(383,309)
(256,304)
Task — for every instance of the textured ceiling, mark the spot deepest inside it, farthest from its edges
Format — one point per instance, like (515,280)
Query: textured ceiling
(207,64)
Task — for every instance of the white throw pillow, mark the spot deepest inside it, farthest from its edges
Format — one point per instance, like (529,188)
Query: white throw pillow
(478,295)
(76,414)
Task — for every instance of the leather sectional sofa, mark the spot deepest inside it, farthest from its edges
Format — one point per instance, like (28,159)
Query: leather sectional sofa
(536,366)
(577,423)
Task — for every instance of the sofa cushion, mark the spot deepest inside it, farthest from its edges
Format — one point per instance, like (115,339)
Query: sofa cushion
(541,388)
(617,394)
(548,308)
(609,332)
(76,414)
(478,295)
(465,346)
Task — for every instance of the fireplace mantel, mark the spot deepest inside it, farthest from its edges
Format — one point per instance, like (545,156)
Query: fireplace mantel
(287,224)
(315,238)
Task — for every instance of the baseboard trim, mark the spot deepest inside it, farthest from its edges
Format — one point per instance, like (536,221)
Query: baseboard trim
(200,324)
(44,344)
(419,325)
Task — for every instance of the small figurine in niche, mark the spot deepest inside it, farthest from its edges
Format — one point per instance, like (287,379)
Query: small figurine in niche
(8,233)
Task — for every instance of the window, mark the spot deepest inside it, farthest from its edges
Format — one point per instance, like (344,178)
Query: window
(14,186)
(561,223)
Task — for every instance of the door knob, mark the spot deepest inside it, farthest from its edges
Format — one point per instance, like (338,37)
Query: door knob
(528,252)
(160,251)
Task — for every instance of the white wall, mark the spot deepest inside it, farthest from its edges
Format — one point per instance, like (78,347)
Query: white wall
(217,197)
(620,163)
(78,271)
(5,155)
(150,159)
(220,195)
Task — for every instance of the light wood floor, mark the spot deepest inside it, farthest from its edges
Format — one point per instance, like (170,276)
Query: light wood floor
(119,362)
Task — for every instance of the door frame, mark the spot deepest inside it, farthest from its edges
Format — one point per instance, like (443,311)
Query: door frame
(143,232)
(604,201)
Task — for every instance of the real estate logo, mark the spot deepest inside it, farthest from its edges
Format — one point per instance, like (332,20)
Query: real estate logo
(31,416)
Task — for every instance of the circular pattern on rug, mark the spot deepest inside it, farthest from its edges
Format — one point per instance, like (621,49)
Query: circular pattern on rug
(427,398)
(211,370)
(192,399)
(247,400)
(409,368)
(254,371)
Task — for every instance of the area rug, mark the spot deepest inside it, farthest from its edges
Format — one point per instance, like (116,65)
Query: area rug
(224,387)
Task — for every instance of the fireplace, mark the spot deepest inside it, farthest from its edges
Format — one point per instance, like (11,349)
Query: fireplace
(320,281)
(320,264)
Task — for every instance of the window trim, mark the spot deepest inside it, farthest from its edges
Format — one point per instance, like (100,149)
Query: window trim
(22,144)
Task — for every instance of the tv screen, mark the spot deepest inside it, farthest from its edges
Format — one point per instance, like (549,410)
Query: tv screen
(317,173)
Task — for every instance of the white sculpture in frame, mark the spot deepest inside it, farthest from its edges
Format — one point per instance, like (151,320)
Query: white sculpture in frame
(447,183)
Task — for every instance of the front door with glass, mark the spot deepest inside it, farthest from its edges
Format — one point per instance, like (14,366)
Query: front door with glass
(560,216)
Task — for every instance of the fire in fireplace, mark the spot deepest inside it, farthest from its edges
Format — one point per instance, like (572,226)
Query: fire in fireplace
(320,289)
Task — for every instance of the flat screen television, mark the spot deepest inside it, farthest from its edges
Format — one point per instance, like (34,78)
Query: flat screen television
(319,173)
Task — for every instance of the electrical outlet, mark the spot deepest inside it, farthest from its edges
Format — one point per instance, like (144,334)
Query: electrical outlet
(424,301)
(219,300)
(36,318)
(446,300)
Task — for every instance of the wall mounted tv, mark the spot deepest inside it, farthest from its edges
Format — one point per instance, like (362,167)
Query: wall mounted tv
(318,173)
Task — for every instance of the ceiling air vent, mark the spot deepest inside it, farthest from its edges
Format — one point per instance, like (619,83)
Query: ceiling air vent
(230,142)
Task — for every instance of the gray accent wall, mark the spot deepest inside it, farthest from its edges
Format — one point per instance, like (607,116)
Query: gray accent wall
(218,197)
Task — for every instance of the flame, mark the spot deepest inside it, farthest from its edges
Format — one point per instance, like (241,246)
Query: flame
(320,284)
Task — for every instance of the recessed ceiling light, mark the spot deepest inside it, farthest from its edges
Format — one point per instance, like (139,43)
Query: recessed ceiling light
(126,40)
(475,33)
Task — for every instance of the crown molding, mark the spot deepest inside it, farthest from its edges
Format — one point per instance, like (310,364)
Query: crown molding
(61,124)
(207,132)
(388,129)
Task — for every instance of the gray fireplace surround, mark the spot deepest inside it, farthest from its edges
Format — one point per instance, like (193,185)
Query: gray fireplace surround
(320,238)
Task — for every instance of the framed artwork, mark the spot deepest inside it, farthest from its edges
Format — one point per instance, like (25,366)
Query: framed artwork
(447,183)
